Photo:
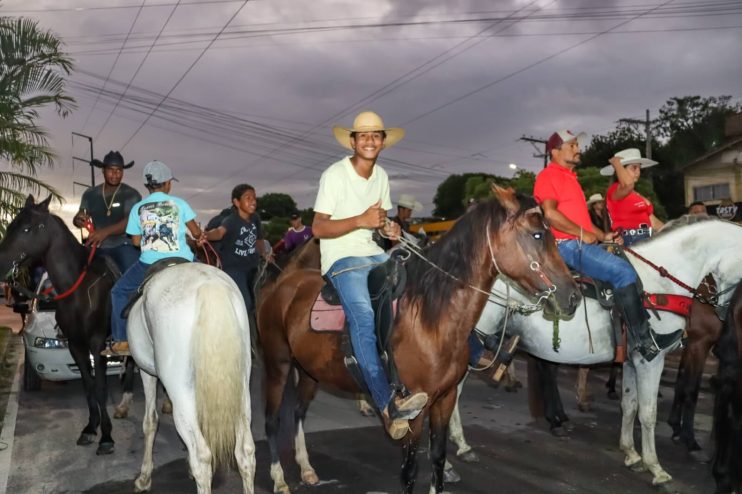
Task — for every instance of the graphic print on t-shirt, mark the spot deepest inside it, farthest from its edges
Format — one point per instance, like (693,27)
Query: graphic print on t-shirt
(159,222)
(244,244)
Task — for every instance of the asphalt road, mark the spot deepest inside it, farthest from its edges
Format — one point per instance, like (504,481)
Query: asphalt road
(351,454)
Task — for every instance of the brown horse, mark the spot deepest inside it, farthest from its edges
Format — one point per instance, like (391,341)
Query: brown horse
(436,313)
(704,330)
(727,465)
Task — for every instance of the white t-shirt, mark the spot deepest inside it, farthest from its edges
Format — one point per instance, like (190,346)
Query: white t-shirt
(343,193)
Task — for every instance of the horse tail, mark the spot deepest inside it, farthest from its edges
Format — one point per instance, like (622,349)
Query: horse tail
(535,389)
(219,359)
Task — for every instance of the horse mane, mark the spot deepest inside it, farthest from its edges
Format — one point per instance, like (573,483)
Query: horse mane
(685,220)
(455,254)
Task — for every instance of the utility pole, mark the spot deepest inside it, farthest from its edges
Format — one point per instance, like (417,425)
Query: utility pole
(88,161)
(647,129)
(539,154)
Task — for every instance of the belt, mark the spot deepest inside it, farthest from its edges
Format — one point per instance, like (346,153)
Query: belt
(637,231)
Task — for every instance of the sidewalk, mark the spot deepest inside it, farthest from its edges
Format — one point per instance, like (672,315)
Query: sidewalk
(11,351)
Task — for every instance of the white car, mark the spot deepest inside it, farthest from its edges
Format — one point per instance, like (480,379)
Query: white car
(47,356)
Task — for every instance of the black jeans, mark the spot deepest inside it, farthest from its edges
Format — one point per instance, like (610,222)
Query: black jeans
(244,280)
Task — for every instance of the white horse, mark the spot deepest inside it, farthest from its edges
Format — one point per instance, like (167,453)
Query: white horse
(688,253)
(190,329)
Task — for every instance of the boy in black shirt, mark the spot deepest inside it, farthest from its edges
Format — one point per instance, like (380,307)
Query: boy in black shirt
(241,241)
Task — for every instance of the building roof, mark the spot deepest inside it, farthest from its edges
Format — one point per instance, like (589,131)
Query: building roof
(714,152)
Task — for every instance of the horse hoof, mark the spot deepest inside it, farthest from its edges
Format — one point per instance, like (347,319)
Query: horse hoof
(584,407)
(167,407)
(310,477)
(469,457)
(282,490)
(86,439)
(612,395)
(104,449)
(559,431)
(141,485)
(368,412)
(637,467)
(699,456)
(450,476)
(120,413)
(511,388)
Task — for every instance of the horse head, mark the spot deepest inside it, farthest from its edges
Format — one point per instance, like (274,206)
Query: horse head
(27,237)
(524,250)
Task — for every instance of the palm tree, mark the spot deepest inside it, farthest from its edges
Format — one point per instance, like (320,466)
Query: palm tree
(32,75)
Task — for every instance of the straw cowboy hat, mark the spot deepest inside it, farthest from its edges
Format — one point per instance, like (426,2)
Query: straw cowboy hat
(629,156)
(408,201)
(595,198)
(368,121)
(113,158)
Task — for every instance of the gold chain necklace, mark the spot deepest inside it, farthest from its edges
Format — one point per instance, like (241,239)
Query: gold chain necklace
(103,194)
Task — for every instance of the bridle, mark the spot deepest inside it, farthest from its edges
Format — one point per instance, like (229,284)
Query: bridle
(17,263)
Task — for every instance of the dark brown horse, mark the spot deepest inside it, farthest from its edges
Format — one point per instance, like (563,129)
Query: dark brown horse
(704,330)
(727,465)
(436,313)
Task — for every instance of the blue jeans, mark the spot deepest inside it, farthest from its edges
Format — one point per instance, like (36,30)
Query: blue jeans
(628,240)
(244,280)
(120,295)
(476,349)
(124,255)
(593,261)
(349,275)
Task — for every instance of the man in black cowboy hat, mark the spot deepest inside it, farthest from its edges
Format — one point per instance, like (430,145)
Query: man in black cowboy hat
(108,206)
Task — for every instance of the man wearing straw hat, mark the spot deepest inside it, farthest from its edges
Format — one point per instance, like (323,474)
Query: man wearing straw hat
(351,203)
(563,202)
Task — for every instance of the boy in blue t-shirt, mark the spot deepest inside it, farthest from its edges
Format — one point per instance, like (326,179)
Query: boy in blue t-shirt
(157,225)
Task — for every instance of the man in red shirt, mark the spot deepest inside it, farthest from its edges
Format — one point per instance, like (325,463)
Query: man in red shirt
(563,202)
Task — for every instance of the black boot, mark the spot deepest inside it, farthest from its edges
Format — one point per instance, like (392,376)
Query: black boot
(646,340)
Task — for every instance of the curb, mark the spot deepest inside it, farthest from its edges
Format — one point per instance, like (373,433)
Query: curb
(8,429)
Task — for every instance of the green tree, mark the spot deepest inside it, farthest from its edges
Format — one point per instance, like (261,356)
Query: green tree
(33,68)
(275,204)
(603,147)
(451,195)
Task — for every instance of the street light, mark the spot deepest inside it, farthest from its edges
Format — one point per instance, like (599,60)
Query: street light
(512,166)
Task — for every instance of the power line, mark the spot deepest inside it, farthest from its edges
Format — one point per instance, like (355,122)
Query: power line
(110,7)
(177,83)
(139,67)
(527,67)
(115,62)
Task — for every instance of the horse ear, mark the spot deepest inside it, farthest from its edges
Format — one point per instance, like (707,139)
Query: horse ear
(506,198)
(29,201)
(44,205)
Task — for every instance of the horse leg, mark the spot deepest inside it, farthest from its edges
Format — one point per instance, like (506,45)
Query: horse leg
(583,402)
(90,431)
(440,416)
(456,433)
(674,420)
(199,454)
(409,453)
(647,387)
(553,407)
(611,384)
(127,382)
(149,426)
(696,360)
(106,444)
(629,408)
(276,374)
(167,404)
(306,390)
(244,448)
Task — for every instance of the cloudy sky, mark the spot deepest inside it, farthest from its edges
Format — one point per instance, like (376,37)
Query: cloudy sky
(227,91)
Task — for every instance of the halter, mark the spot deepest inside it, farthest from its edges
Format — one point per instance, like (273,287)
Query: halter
(45,295)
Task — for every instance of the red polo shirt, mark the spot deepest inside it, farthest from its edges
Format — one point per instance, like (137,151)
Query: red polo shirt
(558,183)
(629,212)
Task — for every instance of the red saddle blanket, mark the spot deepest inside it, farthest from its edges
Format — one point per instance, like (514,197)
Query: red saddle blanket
(677,304)
(326,317)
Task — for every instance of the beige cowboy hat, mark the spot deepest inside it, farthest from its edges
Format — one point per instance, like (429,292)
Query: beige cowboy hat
(408,201)
(368,121)
(629,156)
(595,198)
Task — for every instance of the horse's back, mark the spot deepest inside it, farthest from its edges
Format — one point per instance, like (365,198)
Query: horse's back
(162,322)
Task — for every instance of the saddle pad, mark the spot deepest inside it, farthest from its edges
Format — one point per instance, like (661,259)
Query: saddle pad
(677,304)
(325,317)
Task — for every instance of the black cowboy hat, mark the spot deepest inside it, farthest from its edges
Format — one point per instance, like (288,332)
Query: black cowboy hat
(113,158)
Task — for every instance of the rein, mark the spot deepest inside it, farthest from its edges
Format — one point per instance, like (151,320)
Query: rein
(45,295)
(206,247)
(712,300)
